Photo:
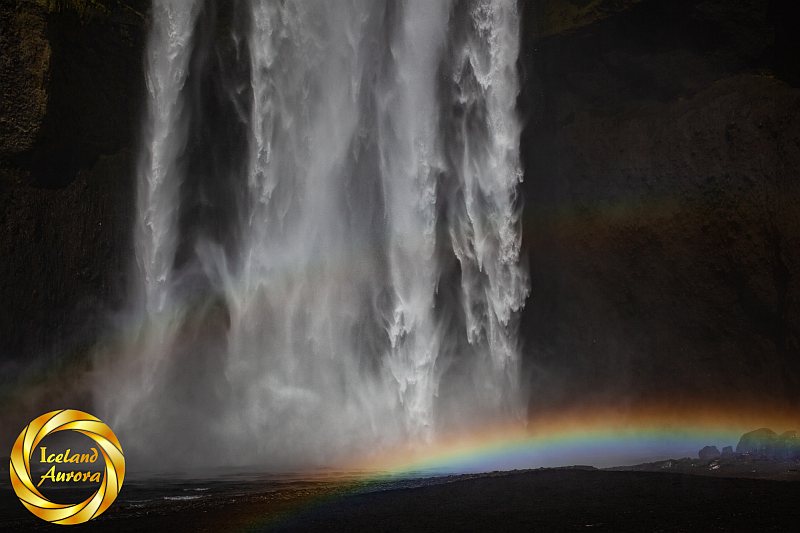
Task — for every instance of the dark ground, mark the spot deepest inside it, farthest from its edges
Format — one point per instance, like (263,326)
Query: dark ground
(540,500)
(568,500)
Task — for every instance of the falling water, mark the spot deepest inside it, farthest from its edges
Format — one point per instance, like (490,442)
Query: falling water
(328,232)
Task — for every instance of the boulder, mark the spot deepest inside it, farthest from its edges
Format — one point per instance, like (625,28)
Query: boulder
(709,453)
(762,441)
(727,452)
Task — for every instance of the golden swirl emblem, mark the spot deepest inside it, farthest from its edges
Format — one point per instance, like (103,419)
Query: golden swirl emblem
(110,484)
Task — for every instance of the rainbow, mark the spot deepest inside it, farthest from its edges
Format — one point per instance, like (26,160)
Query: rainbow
(600,437)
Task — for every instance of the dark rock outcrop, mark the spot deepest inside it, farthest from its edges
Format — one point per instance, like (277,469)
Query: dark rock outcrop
(560,16)
(767,444)
(727,452)
(789,445)
(709,453)
(762,441)
(662,201)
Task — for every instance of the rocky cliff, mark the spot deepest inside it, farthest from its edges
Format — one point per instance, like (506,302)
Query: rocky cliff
(662,208)
(71,92)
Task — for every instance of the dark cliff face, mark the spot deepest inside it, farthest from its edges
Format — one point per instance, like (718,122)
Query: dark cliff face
(662,215)
(71,96)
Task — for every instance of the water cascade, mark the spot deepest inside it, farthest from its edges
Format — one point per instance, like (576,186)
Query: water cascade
(328,231)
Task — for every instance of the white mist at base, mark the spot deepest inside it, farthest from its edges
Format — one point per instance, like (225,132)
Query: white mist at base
(367,295)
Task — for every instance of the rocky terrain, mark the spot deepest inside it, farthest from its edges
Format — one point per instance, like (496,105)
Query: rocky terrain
(761,454)
(763,443)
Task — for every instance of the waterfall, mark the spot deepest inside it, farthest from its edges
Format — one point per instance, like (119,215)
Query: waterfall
(328,233)
(168,52)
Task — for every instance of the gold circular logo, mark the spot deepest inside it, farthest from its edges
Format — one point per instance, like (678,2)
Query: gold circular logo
(110,482)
